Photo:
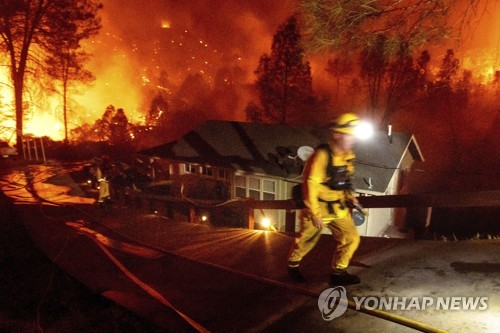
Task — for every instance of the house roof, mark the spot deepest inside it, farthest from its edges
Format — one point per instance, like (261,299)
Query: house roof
(272,149)
(378,158)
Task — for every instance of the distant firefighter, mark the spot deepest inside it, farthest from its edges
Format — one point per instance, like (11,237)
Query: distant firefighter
(103,175)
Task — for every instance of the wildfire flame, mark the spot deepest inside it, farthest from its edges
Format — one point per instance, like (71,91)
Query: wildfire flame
(43,118)
(45,124)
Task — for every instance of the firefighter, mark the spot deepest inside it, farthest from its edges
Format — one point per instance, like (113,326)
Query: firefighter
(327,194)
(103,177)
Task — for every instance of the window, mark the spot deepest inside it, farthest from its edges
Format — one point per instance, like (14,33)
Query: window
(269,186)
(254,183)
(255,188)
(207,171)
(222,174)
(240,186)
(268,189)
(254,194)
(190,168)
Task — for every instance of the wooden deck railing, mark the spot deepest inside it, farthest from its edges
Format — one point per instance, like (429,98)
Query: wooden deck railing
(455,199)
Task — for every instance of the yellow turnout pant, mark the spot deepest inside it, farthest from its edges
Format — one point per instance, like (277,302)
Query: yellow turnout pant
(343,231)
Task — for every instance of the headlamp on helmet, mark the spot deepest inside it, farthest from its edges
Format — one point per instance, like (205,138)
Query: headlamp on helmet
(350,124)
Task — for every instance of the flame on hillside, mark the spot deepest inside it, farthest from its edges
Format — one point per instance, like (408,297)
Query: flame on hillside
(482,64)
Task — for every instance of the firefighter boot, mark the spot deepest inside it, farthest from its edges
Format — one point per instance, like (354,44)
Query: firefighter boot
(340,277)
(294,273)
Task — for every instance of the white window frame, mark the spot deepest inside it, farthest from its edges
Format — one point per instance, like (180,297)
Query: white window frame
(260,188)
(206,171)
(191,168)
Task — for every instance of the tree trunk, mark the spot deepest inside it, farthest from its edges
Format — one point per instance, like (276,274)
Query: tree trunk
(18,96)
(65,102)
(285,97)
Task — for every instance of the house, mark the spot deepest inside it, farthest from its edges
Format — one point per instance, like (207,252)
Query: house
(224,160)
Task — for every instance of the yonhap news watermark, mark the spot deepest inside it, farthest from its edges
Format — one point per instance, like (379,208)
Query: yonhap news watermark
(333,303)
(422,303)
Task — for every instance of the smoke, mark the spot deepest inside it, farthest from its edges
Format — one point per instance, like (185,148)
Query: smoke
(140,39)
(230,26)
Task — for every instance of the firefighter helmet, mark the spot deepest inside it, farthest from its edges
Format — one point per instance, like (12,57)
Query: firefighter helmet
(346,124)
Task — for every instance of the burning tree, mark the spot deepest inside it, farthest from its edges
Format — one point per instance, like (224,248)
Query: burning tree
(113,128)
(157,109)
(120,132)
(37,31)
(102,127)
(66,64)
